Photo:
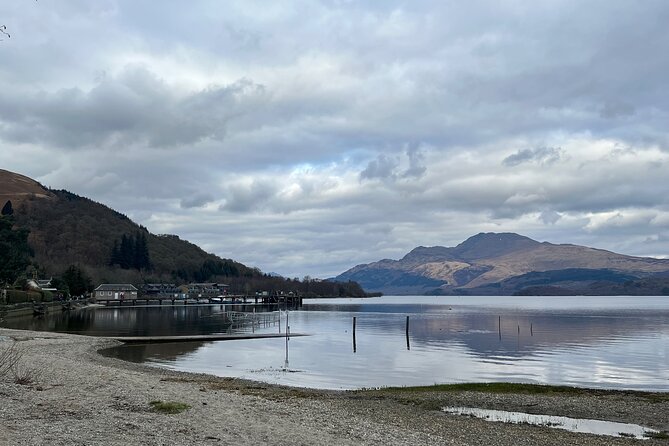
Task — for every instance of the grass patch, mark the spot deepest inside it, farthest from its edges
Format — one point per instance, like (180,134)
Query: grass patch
(169,407)
(501,387)
(661,435)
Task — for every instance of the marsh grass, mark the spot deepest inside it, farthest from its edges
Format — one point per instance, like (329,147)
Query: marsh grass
(500,387)
(661,435)
(12,365)
(9,358)
(168,407)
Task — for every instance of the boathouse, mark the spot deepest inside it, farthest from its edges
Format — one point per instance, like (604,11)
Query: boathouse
(116,291)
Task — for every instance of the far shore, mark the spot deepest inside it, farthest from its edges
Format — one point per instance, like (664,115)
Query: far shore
(69,394)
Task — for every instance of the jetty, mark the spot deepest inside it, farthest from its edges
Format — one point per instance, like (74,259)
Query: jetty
(288,300)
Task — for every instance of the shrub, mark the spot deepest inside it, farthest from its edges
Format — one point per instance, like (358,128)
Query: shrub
(16,296)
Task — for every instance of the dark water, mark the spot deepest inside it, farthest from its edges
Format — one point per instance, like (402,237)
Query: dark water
(607,342)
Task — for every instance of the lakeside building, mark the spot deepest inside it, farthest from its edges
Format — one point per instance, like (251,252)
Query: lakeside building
(161,290)
(207,289)
(115,291)
(41,285)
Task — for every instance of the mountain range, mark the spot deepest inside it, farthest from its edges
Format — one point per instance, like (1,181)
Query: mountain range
(508,263)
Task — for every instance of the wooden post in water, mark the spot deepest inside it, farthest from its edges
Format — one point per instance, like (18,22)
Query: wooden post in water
(354,345)
(407,334)
(499,326)
(531,330)
(287,338)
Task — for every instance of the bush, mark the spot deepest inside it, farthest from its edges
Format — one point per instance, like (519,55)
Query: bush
(17,297)
(46,296)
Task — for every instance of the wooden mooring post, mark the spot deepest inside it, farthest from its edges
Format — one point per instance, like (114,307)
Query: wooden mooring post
(287,339)
(407,334)
(354,346)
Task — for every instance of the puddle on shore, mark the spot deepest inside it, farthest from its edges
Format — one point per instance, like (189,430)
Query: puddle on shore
(596,427)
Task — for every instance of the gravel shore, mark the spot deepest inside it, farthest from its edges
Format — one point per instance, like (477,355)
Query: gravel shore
(72,395)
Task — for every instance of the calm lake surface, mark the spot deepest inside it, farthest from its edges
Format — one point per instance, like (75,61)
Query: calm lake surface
(606,342)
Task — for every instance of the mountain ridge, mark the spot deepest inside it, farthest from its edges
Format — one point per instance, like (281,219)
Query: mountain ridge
(486,263)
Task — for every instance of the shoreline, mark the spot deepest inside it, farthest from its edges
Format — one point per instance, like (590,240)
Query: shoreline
(76,396)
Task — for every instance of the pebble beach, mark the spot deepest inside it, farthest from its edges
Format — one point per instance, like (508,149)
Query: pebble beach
(70,394)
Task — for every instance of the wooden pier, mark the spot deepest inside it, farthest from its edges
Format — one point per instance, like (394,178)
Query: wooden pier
(291,301)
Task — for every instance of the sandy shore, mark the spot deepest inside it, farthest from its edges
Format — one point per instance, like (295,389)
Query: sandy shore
(78,397)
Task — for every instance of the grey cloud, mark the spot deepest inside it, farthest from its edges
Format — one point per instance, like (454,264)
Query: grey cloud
(248,197)
(416,164)
(612,110)
(136,108)
(196,201)
(550,217)
(340,94)
(383,167)
(541,155)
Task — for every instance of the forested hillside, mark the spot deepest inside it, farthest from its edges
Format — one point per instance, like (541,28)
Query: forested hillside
(65,230)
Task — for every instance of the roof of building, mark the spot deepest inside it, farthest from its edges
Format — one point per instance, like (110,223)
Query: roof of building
(116,287)
(44,282)
(207,285)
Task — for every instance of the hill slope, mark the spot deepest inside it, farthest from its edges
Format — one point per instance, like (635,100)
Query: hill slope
(66,229)
(505,263)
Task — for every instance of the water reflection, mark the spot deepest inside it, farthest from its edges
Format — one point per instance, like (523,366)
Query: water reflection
(593,342)
(597,427)
(142,321)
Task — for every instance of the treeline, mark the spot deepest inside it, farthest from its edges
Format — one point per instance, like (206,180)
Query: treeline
(15,253)
(211,269)
(74,282)
(306,287)
(131,252)
(17,265)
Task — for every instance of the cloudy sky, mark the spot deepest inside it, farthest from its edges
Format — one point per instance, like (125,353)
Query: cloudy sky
(307,137)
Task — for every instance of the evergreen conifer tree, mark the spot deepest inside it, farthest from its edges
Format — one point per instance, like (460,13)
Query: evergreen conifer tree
(142,260)
(127,252)
(7,209)
(115,258)
(15,252)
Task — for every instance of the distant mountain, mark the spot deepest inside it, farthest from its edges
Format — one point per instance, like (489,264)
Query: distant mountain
(507,263)
(66,229)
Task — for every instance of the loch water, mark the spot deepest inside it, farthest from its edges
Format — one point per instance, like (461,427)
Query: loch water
(601,342)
